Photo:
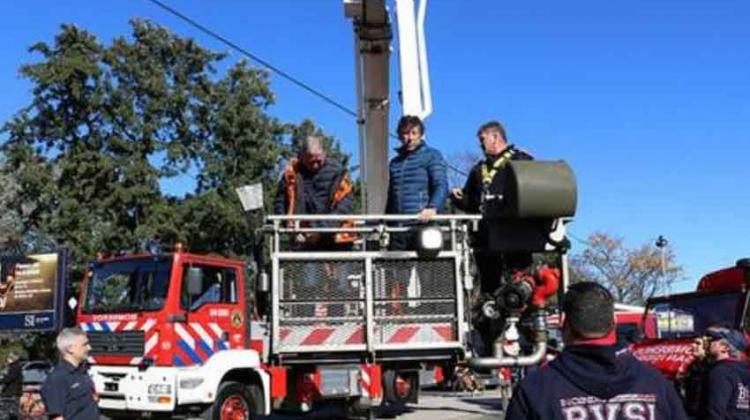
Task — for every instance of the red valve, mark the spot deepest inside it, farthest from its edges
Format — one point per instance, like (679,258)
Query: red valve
(547,283)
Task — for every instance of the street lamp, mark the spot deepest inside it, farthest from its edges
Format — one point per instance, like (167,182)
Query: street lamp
(661,243)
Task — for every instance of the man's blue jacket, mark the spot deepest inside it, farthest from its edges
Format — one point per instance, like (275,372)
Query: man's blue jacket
(418,180)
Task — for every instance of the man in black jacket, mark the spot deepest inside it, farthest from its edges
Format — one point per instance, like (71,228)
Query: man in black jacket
(727,384)
(484,193)
(591,379)
(12,383)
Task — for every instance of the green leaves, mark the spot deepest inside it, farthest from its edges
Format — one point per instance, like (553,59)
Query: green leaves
(107,123)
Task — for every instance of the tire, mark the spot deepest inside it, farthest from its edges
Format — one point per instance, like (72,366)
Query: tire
(234,401)
(400,388)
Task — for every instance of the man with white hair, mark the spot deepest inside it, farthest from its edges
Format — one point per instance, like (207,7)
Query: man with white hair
(68,392)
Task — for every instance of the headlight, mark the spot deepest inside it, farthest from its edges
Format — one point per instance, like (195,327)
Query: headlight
(159,389)
(430,240)
(190,383)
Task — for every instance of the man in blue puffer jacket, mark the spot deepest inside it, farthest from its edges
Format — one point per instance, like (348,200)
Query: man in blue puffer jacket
(418,179)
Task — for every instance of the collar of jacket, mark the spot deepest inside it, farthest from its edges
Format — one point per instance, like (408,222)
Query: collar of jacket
(491,159)
(402,151)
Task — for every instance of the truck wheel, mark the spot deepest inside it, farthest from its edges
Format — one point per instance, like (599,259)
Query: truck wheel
(400,387)
(233,402)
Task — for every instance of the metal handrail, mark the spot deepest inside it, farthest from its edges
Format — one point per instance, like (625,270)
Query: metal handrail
(372,217)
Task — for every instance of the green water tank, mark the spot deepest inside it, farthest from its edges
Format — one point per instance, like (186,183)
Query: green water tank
(540,189)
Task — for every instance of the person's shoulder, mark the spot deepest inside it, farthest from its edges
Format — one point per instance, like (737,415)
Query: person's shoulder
(522,154)
(539,379)
(333,166)
(721,369)
(58,371)
(56,379)
(432,152)
(643,371)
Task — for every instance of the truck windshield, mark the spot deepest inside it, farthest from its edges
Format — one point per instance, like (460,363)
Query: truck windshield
(689,316)
(128,286)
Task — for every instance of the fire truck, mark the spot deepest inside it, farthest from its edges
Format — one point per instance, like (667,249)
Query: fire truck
(672,323)
(180,332)
(186,333)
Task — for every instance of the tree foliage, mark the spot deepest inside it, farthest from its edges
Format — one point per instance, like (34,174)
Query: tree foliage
(631,274)
(10,221)
(107,123)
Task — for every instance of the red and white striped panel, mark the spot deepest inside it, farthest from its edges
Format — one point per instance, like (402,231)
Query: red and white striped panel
(322,335)
(415,333)
(370,383)
(365,381)
(354,334)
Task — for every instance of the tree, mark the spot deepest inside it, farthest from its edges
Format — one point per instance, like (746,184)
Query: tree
(10,221)
(631,274)
(107,123)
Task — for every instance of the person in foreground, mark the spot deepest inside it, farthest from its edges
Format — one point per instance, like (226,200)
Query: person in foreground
(592,378)
(68,392)
(727,383)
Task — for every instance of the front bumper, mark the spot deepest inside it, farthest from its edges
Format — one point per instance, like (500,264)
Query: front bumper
(125,388)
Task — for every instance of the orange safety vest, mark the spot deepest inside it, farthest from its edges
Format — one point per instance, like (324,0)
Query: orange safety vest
(344,188)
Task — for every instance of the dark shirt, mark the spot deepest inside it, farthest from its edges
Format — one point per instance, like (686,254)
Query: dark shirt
(474,189)
(315,192)
(592,382)
(69,392)
(727,391)
(12,382)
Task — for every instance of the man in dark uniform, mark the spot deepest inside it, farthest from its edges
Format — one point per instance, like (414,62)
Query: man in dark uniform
(12,383)
(592,378)
(483,193)
(727,385)
(68,392)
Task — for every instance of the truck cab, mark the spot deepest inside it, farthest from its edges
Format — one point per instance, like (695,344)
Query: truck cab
(160,326)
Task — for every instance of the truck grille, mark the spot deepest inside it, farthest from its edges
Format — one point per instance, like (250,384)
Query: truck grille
(123,343)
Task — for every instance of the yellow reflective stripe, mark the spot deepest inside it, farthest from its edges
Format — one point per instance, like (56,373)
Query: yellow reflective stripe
(488,174)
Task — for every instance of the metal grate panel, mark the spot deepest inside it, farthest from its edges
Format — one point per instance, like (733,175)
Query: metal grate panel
(322,280)
(414,301)
(423,279)
(123,343)
(322,303)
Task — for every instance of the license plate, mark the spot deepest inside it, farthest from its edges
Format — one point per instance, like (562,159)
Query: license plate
(111,386)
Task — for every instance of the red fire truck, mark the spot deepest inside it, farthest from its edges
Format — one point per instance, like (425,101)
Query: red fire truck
(673,322)
(181,332)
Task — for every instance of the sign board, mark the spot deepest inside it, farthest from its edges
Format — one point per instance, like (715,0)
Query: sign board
(32,288)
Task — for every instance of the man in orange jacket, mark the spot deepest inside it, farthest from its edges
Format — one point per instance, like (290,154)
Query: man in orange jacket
(313,184)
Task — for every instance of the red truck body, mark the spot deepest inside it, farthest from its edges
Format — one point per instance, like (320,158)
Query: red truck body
(677,320)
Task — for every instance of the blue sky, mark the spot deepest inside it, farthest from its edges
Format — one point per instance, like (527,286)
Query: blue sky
(648,101)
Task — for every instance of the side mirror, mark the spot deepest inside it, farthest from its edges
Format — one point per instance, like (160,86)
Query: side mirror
(194,281)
